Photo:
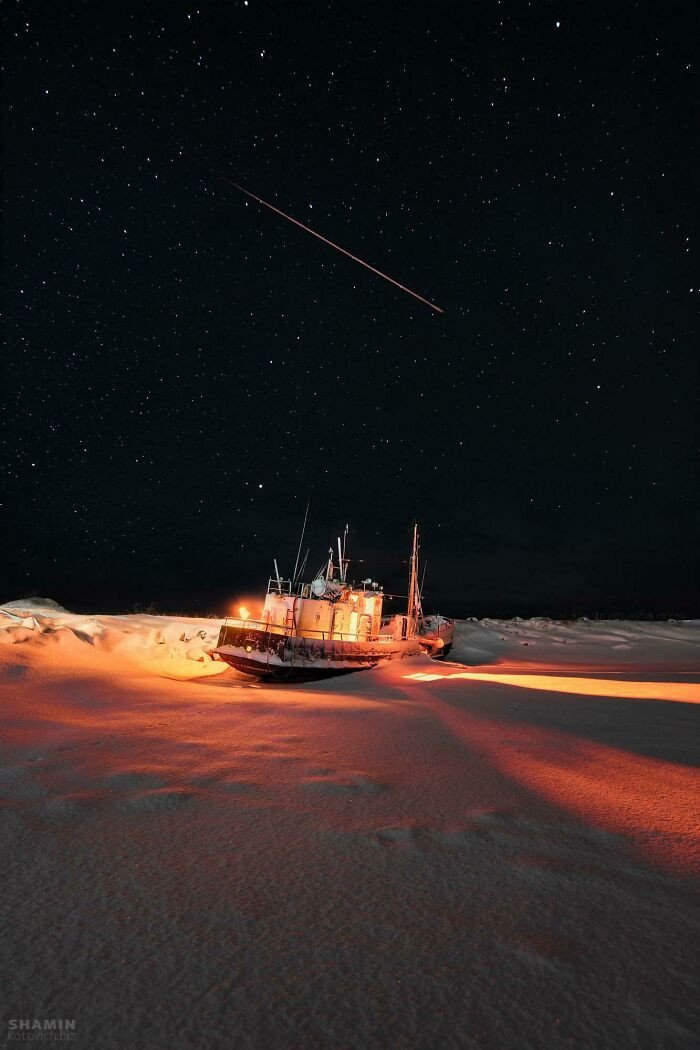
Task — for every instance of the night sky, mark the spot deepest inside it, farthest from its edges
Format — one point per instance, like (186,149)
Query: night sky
(183,369)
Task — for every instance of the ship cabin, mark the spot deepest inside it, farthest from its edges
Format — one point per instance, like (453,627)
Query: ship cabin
(328,609)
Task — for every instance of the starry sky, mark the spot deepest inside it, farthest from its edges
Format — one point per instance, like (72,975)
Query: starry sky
(183,368)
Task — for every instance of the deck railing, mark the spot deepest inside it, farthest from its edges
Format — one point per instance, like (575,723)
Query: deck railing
(290,630)
(286,630)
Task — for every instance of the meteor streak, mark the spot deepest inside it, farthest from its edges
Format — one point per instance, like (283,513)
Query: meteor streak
(333,245)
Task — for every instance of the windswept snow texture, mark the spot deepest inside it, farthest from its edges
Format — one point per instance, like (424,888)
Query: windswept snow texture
(497,851)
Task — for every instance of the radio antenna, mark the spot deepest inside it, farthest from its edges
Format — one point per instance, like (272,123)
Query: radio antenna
(301,540)
(345,560)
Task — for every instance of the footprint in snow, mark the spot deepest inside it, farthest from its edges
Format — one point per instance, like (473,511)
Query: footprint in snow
(133,781)
(545,867)
(16,670)
(344,786)
(400,837)
(159,801)
(17,784)
(238,787)
(68,807)
(214,782)
(494,826)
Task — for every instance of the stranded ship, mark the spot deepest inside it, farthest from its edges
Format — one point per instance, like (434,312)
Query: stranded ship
(331,626)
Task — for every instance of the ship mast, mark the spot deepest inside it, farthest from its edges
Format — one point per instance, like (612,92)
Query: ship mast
(413,609)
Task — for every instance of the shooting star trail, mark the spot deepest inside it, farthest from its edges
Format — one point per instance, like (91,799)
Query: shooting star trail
(333,245)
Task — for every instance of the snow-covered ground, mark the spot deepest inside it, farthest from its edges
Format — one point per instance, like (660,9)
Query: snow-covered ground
(495,851)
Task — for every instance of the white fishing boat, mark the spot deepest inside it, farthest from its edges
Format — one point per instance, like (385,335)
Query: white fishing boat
(330,625)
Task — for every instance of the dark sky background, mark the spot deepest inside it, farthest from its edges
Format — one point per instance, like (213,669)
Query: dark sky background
(183,368)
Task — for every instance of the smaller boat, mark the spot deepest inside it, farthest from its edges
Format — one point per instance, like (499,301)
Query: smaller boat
(331,626)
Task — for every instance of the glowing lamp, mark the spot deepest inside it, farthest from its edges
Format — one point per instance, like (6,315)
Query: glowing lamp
(243,612)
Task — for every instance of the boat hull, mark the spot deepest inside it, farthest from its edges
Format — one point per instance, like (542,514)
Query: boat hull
(281,656)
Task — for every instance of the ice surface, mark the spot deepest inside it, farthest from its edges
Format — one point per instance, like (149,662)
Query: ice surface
(403,857)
